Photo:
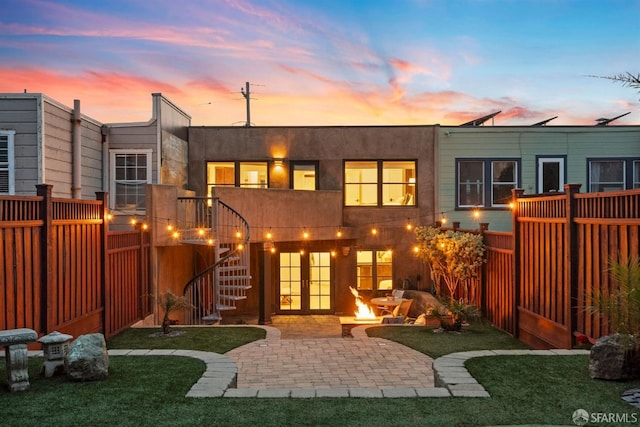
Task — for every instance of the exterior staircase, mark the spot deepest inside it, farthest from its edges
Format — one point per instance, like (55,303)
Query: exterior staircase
(210,222)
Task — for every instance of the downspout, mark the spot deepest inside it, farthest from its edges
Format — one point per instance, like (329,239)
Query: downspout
(104,130)
(76,185)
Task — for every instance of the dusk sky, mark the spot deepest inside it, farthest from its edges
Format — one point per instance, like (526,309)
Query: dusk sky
(328,62)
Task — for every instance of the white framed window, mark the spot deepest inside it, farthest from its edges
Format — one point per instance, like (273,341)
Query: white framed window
(130,174)
(607,175)
(551,174)
(7,162)
(486,183)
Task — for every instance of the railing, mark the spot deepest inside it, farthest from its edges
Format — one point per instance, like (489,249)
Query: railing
(217,288)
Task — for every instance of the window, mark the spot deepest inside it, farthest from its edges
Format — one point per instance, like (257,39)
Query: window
(380,183)
(237,174)
(374,270)
(130,173)
(7,166)
(304,176)
(486,182)
(551,175)
(613,174)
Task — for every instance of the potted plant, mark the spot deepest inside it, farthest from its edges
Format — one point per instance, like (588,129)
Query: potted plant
(617,356)
(170,303)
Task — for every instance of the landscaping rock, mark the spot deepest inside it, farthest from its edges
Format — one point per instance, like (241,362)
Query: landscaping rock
(88,359)
(614,357)
(421,302)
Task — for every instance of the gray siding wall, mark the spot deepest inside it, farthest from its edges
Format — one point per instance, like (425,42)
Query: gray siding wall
(136,137)
(577,143)
(58,149)
(92,161)
(21,115)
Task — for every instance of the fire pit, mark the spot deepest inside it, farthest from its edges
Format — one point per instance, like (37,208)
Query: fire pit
(364,315)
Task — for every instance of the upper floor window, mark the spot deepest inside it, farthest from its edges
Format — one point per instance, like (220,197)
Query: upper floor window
(486,182)
(7,165)
(374,270)
(304,175)
(237,174)
(380,183)
(613,174)
(130,174)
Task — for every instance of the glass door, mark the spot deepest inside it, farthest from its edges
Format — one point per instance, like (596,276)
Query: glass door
(305,283)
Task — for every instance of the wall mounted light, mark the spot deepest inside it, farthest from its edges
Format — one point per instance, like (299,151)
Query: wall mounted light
(278,162)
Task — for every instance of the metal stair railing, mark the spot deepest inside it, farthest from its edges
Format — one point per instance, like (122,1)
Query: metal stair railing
(209,221)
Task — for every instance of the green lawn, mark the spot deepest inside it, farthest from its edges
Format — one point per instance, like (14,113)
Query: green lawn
(149,391)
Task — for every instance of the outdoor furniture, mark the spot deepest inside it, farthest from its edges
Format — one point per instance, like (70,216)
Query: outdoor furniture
(385,305)
(16,358)
(400,313)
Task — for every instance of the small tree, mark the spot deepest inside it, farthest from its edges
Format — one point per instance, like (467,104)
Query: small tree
(454,257)
(169,303)
(621,305)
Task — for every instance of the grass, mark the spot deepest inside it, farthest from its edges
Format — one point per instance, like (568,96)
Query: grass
(475,337)
(149,391)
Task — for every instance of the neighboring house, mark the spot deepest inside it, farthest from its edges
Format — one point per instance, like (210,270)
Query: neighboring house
(43,141)
(333,203)
(152,152)
(478,166)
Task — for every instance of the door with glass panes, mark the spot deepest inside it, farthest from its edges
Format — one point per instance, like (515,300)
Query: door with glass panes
(304,283)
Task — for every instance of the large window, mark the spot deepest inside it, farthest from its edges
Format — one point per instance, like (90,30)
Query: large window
(613,174)
(380,183)
(130,172)
(374,270)
(7,167)
(237,174)
(486,182)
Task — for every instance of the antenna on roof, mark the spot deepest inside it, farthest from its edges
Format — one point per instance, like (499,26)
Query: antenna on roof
(603,122)
(544,122)
(480,121)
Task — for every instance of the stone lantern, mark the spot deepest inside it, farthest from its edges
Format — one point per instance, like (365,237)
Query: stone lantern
(55,348)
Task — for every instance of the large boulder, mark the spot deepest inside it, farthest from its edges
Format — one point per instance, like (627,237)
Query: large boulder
(421,302)
(615,357)
(88,359)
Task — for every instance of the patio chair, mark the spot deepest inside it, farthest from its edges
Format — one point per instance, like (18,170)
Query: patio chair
(400,313)
(396,294)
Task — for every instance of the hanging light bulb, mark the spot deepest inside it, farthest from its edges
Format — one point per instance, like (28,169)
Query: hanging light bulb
(409,226)
(333,253)
(443,219)
(374,231)
(238,234)
(169,227)
(133,222)
(305,234)
(273,249)
(416,249)
(175,234)
(108,216)
(301,251)
(200,232)
(240,246)
(145,226)
(476,213)
(210,242)
(269,235)
(339,233)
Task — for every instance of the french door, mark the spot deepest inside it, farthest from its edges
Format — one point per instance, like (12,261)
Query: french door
(305,283)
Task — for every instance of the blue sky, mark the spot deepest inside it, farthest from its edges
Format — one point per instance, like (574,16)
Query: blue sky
(328,62)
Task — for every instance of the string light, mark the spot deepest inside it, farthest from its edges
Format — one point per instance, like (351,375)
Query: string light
(476,213)
(210,241)
(409,226)
(169,227)
(305,234)
(200,232)
(333,253)
(416,249)
(133,222)
(176,235)
(269,235)
(339,233)
(109,216)
(238,234)
(273,249)
(443,219)
(374,231)
(145,226)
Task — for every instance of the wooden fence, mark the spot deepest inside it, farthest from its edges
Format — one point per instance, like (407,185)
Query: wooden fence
(61,269)
(536,281)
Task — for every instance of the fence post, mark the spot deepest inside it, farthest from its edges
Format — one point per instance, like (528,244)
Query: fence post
(570,258)
(104,271)
(516,193)
(482,300)
(46,262)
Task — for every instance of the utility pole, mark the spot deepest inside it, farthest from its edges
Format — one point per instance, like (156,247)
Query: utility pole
(247,96)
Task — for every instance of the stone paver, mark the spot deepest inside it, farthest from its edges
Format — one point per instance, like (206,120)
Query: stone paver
(289,364)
